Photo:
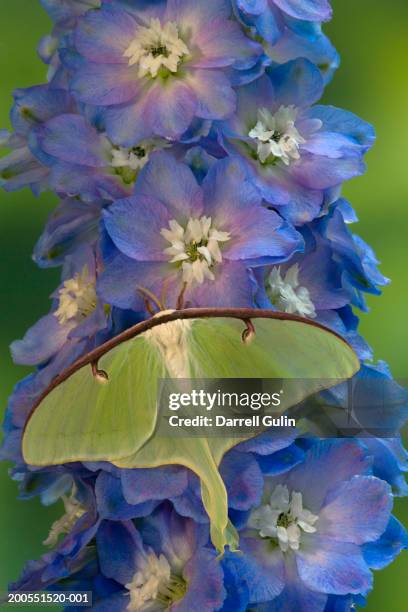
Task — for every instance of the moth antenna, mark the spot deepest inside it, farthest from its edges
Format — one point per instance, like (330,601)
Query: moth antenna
(149,307)
(163,295)
(150,296)
(99,375)
(249,331)
(180,299)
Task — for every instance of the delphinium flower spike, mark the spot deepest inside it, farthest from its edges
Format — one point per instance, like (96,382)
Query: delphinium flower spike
(195,168)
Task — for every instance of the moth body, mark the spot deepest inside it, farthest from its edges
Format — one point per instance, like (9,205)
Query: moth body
(171,340)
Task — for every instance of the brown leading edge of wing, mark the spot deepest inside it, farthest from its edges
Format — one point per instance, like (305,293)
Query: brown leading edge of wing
(245,314)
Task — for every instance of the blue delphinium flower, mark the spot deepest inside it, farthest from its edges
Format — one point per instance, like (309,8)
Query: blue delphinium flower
(272,18)
(314,46)
(269,15)
(64,10)
(159,68)
(177,236)
(84,162)
(289,30)
(332,274)
(161,564)
(77,314)
(79,525)
(380,408)
(72,224)
(294,151)
(306,539)
(32,107)
(65,15)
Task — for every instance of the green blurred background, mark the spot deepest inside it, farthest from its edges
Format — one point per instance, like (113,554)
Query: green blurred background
(372,38)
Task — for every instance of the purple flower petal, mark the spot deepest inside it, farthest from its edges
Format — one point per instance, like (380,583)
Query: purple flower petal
(134,224)
(159,483)
(262,567)
(41,341)
(39,102)
(120,282)
(90,183)
(320,172)
(105,84)
(298,82)
(328,566)
(356,511)
(173,184)
(383,551)
(281,461)
(309,10)
(344,122)
(322,277)
(268,442)
(215,98)
(295,595)
(190,503)
(204,578)
(103,36)
(119,544)
(252,7)
(232,287)
(176,537)
(326,465)
(235,206)
(71,224)
(71,139)
(223,43)
(112,504)
(243,480)
(171,109)
(19,169)
(390,462)
(330,144)
(250,98)
(129,124)
(197,14)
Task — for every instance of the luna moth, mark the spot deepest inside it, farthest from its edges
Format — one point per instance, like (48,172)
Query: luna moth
(104,408)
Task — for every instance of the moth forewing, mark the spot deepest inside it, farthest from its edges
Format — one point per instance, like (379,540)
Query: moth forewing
(81,418)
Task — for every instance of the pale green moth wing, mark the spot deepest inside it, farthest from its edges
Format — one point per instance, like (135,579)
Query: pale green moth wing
(214,349)
(286,349)
(82,419)
(85,419)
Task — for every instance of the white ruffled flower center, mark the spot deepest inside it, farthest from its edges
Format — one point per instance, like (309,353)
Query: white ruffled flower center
(287,295)
(73,512)
(276,135)
(196,247)
(153,586)
(147,581)
(77,298)
(134,158)
(283,518)
(156,46)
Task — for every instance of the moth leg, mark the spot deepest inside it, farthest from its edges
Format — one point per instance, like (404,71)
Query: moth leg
(98,374)
(249,331)
(150,300)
